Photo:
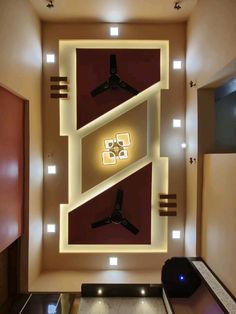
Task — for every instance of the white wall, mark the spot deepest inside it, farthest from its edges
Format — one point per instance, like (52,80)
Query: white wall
(210,47)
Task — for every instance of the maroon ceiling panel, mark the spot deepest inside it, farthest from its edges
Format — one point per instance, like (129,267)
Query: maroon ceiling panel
(11,167)
(140,68)
(136,208)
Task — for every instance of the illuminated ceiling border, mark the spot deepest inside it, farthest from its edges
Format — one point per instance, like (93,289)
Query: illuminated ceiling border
(67,62)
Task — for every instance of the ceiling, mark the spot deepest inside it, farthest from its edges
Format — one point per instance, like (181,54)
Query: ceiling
(111,11)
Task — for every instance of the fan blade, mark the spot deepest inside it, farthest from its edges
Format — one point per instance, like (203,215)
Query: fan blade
(113,66)
(100,89)
(119,200)
(128,88)
(129,226)
(100,223)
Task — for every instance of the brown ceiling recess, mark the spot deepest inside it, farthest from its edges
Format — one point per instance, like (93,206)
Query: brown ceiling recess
(140,68)
(136,208)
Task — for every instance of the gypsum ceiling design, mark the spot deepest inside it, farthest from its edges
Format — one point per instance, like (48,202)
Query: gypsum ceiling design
(77,199)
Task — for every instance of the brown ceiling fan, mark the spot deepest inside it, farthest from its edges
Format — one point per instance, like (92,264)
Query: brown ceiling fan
(114,81)
(116,216)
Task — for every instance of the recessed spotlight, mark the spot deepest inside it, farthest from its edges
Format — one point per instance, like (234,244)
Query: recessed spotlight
(176,123)
(176,234)
(99,291)
(114,31)
(50,58)
(51,228)
(177,64)
(52,169)
(113,261)
(143,292)
(183,145)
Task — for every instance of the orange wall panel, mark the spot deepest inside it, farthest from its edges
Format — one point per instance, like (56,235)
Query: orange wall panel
(11,167)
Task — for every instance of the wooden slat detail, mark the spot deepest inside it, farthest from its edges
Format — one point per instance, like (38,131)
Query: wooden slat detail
(167,196)
(167,212)
(59,95)
(59,87)
(58,79)
(165,204)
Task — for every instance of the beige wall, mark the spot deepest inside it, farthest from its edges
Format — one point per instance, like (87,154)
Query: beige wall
(210,47)
(219,217)
(173,105)
(20,63)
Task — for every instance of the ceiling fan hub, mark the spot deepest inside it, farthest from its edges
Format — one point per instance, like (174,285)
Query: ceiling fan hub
(116,217)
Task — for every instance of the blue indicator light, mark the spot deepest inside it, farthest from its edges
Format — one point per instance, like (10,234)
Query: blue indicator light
(181,278)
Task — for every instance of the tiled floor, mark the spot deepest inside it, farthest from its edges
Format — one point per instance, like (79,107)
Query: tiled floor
(121,306)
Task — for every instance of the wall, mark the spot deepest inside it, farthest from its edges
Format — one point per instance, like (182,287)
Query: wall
(219,216)
(173,105)
(210,48)
(20,63)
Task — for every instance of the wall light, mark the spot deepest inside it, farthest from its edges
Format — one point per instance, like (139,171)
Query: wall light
(113,261)
(51,228)
(116,148)
(52,169)
(50,58)
(176,234)
(177,64)
(114,31)
(183,145)
(176,123)
(99,291)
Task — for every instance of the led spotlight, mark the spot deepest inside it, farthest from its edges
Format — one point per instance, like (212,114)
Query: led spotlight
(176,123)
(113,261)
(177,64)
(51,228)
(142,291)
(99,291)
(52,169)
(50,58)
(114,31)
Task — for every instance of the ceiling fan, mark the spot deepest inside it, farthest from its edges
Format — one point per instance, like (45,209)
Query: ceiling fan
(116,216)
(114,81)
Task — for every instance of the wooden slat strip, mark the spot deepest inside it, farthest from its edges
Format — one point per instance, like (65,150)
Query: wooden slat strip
(167,212)
(165,204)
(59,87)
(59,95)
(58,78)
(167,196)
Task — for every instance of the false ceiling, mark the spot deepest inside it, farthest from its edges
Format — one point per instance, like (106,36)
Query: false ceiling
(123,11)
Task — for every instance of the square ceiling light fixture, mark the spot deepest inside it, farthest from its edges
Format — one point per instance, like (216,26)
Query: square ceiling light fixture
(51,228)
(177,64)
(50,58)
(52,169)
(176,123)
(116,149)
(114,31)
(113,261)
(176,234)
